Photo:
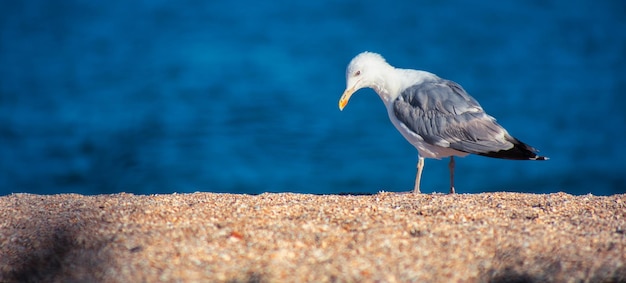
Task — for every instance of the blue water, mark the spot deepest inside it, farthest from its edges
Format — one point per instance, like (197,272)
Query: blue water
(241,96)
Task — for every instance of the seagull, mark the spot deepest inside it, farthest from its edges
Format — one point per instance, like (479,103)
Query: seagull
(435,115)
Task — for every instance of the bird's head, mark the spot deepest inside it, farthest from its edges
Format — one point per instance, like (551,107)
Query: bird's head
(365,70)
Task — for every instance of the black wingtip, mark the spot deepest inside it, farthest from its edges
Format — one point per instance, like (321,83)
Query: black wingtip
(520,151)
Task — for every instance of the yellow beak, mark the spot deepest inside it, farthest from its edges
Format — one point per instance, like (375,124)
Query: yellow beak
(345,97)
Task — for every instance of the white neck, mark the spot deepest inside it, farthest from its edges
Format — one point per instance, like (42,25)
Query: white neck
(389,89)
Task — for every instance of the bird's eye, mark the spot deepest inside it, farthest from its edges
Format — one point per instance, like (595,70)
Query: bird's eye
(357,73)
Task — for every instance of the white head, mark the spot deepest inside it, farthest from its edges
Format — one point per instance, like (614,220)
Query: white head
(365,70)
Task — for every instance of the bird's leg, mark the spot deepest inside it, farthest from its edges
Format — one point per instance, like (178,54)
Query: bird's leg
(451,166)
(418,176)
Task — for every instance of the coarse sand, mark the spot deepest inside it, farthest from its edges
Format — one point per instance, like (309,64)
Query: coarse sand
(285,237)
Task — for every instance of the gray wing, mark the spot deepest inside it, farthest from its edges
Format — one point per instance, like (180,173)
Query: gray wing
(443,114)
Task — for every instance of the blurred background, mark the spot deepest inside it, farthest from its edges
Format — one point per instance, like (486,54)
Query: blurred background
(241,96)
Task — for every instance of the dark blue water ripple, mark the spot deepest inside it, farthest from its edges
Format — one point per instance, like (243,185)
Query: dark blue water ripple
(158,96)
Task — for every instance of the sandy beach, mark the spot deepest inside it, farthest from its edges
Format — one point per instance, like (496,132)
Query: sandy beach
(284,237)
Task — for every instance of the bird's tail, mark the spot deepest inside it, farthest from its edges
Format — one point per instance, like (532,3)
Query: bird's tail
(519,151)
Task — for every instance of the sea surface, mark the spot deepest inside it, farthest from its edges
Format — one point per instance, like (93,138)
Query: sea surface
(241,96)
